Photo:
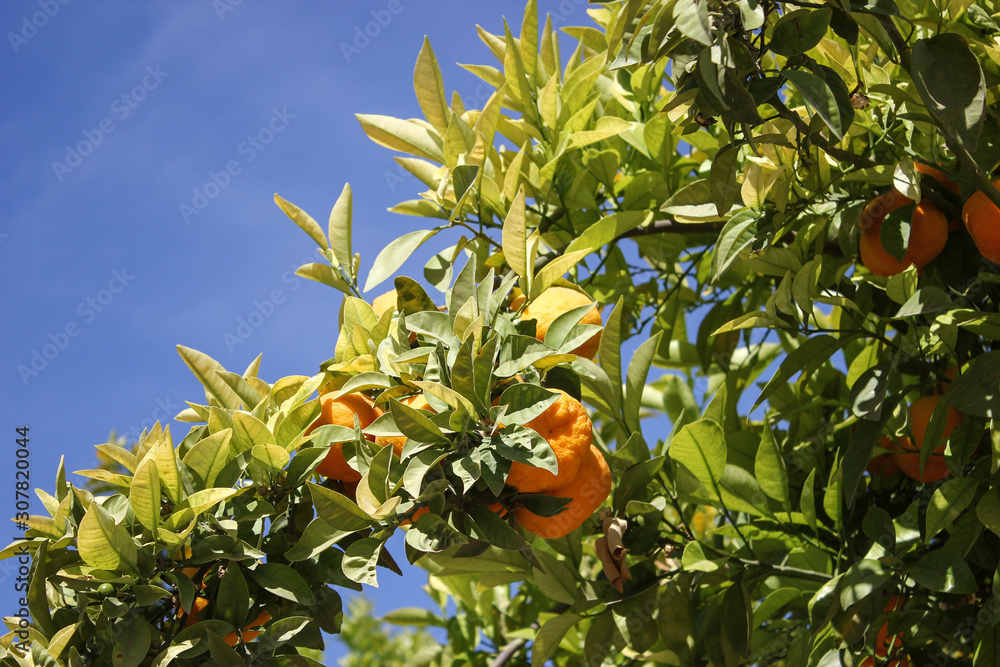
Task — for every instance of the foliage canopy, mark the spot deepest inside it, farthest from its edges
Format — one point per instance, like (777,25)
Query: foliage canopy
(701,168)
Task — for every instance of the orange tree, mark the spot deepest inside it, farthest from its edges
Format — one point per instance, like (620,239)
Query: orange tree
(705,171)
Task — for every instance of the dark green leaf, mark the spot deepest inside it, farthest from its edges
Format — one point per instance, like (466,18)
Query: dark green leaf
(950,80)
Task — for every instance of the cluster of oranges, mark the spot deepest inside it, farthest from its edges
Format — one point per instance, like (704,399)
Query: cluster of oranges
(929,227)
(201,603)
(583,475)
(904,456)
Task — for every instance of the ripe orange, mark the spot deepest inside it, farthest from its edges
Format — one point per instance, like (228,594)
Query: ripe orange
(417,402)
(882,639)
(928,234)
(340,412)
(982,219)
(908,454)
(588,490)
(555,301)
(940,177)
(569,431)
(884,464)
(231,638)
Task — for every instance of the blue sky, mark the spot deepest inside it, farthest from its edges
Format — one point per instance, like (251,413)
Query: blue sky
(115,116)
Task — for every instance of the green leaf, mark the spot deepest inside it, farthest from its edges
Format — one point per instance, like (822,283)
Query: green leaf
(950,80)
(635,380)
(339,227)
(929,299)
(948,503)
(610,354)
(701,447)
(144,495)
(204,368)
(807,357)
(944,571)
(798,31)
(132,646)
(691,18)
(549,636)
(105,545)
(283,581)
(360,560)
(722,179)
(525,401)
(515,237)
(988,509)
(304,221)
(393,255)
(323,274)
(337,510)
(413,617)
(271,457)
(819,96)
(429,86)
(233,601)
(414,424)
(977,390)
(209,456)
(769,468)
(406,136)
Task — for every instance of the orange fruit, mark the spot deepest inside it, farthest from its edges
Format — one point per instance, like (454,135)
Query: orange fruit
(908,454)
(884,464)
(882,639)
(567,428)
(555,301)
(340,412)
(588,490)
(950,374)
(928,234)
(417,402)
(231,638)
(982,219)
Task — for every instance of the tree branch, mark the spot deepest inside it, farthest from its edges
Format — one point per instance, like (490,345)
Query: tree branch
(816,139)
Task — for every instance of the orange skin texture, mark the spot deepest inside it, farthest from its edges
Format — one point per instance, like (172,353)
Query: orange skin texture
(567,428)
(982,219)
(908,454)
(587,492)
(884,464)
(340,412)
(882,639)
(552,303)
(417,402)
(231,638)
(928,234)
(940,177)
